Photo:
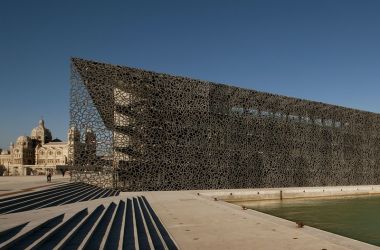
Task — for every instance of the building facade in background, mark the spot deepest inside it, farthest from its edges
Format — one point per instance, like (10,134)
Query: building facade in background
(161,132)
(35,154)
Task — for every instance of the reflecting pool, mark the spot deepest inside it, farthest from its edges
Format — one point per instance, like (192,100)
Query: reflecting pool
(356,217)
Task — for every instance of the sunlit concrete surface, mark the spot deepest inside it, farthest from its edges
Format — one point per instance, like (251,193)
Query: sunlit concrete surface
(201,222)
(21,184)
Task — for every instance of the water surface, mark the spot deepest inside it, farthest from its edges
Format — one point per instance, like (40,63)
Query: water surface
(356,217)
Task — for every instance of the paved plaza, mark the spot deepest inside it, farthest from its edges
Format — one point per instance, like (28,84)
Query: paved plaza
(193,219)
(21,184)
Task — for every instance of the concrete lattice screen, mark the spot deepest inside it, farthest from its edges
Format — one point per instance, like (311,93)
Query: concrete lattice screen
(90,167)
(160,132)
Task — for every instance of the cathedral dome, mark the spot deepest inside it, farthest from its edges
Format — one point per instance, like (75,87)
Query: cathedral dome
(41,133)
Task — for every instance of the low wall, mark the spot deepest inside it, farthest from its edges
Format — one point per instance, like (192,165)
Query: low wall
(289,193)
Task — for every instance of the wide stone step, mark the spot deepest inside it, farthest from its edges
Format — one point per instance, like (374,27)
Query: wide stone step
(11,232)
(49,241)
(27,239)
(113,223)
(113,239)
(74,240)
(56,196)
(35,196)
(55,188)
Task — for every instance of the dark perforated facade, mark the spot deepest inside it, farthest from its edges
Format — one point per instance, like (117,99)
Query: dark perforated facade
(161,132)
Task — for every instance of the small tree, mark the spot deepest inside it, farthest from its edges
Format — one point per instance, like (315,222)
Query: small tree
(3,169)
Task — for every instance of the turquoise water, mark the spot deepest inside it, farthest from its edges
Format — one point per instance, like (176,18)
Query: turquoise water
(354,217)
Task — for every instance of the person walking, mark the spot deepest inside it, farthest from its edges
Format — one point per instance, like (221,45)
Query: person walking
(49,177)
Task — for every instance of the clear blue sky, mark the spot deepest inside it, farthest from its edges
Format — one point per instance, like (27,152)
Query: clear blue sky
(323,50)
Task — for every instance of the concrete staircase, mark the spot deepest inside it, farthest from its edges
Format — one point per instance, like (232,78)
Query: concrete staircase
(56,196)
(106,223)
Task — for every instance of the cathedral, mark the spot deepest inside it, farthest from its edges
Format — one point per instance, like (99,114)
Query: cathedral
(38,153)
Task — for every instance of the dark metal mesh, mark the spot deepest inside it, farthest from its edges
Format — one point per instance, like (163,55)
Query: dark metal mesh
(161,132)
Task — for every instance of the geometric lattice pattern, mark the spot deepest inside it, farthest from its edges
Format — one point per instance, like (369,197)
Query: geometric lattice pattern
(161,132)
